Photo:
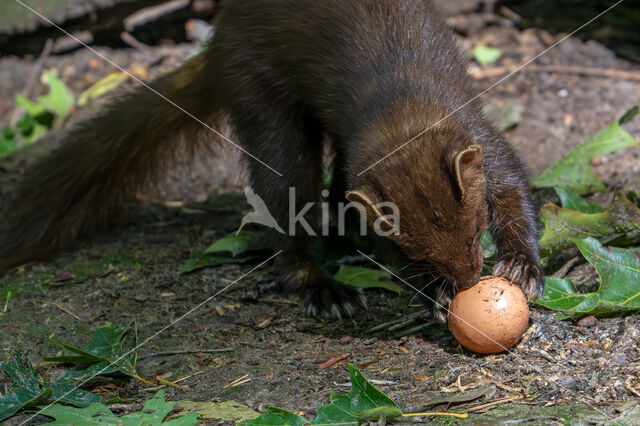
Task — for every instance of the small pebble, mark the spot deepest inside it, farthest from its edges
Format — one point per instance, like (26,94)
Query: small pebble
(589,321)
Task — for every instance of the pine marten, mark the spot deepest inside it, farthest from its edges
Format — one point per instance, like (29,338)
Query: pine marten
(369,75)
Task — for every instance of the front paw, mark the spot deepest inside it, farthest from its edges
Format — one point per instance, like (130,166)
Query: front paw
(322,295)
(444,296)
(332,299)
(526,273)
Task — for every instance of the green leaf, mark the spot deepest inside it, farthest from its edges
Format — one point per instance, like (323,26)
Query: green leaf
(573,201)
(574,170)
(619,223)
(364,403)
(277,416)
(106,340)
(226,411)
(30,107)
(619,290)
(366,278)
(17,399)
(242,242)
(154,412)
(228,249)
(489,248)
(629,115)
(70,394)
(98,369)
(363,400)
(504,116)
(102,87)
(485,55)
(27,387)
(60,98)
(105,351)
(204,260)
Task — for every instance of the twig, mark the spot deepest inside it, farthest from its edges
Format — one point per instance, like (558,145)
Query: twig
(279,301)
(457,415)
(406,318)
(416,328)
(135,43)
(480,74)
(332,361)
(240,381)
(176,381)
(494,403)
(65,310)
(152,13)
(185,352)
(564,270)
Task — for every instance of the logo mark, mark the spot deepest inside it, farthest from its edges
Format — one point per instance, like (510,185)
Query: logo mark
(260,214)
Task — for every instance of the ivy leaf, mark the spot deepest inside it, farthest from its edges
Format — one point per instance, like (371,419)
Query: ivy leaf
(358,276)
(574,170)
(619,224)
(618,293)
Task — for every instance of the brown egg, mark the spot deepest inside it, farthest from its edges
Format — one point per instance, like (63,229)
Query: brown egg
(489,317)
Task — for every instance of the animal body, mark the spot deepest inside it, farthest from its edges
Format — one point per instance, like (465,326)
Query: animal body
(369,75)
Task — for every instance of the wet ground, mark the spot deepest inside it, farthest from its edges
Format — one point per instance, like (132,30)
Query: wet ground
(560,371)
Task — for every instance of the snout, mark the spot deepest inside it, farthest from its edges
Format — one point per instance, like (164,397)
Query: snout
(465,272)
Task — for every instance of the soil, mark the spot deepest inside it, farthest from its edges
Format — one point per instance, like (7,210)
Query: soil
(561,371)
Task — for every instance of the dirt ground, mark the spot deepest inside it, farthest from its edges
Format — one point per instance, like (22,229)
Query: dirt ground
(560,372)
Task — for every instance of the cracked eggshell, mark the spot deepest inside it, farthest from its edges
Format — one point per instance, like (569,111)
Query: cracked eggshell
(489,317)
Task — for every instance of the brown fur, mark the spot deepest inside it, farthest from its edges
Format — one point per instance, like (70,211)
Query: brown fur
(370,74)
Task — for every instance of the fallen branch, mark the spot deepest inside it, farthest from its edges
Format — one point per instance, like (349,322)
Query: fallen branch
(480,74)
(185,352)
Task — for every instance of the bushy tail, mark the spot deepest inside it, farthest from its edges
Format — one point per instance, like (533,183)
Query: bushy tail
(104,161)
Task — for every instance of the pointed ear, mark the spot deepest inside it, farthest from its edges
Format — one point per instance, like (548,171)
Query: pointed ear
(466,164)
(373,212)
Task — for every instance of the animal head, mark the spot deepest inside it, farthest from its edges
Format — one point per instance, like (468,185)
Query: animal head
(441,199)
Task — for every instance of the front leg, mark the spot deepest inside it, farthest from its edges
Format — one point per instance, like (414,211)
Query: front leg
(290,142)
(512,222)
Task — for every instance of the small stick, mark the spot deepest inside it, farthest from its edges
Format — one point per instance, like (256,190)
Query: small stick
(456,415)
(168,383)
(185,352)
(279,301)
(332,361)
(480,74)
(396,321)
(415,329)
(65,310)
(152,13)
(177,381)
(494,403)
(136,44)
(240,381)
(562,272)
